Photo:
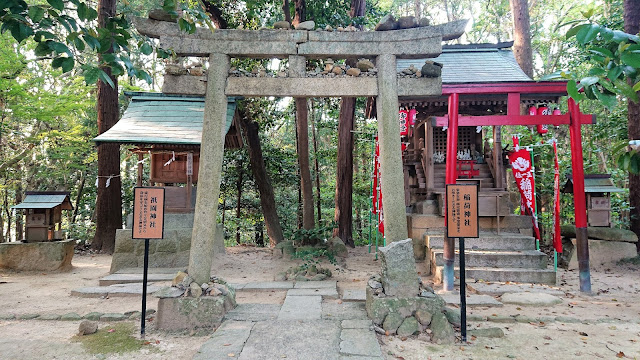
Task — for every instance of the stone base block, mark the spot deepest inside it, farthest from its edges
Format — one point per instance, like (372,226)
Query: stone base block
(37,256)
(602,252)
(379,307)
(189,313)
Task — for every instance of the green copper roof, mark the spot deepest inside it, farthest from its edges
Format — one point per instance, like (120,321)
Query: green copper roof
(468,65)
(45,200)
(156,118)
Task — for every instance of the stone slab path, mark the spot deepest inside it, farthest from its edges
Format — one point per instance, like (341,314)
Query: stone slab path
(303,327)
(498,288)
(472,300)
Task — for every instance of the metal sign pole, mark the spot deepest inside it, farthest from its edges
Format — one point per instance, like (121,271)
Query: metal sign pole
(144,288)
(463,296)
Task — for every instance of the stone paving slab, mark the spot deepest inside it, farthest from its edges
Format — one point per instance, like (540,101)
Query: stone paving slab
(228,340)
(120,290)
(356,324)
(308,340)
(355,357)
(361,342)
(254,312)
(344,311)
(140,270)
(267,286)
(354,295)
(133,278)
(327,293)
(301,308)
(326,284)
(531,299)
(238,286)
(502,288)
(472,300)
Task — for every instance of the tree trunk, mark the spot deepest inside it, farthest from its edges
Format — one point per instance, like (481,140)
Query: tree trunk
(286,9)
(109,199)
(632,26)
(267,198)
(238,201)
(78,197)
(302,124)
(344,179)
(522,35)
(358,8)
(19,218)
(301,12)
(344,173)
(215,14)
(315,158)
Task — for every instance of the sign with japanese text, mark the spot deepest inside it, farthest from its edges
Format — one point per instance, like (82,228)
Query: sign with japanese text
(148,212)
(462,211)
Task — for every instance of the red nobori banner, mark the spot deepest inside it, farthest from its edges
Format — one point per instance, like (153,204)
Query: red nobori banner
(523,173)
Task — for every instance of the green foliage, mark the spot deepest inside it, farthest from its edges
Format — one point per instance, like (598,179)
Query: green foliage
(313,236)
(313,256)
(67,31)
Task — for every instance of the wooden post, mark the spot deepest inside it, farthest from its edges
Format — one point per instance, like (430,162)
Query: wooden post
(497,157)
(579,198)
(452,156)
(428,152)
(140,169)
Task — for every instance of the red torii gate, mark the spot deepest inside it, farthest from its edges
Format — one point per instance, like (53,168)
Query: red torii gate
(574,118)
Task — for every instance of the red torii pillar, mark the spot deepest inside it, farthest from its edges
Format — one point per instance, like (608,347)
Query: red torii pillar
(452,155)
(579,197)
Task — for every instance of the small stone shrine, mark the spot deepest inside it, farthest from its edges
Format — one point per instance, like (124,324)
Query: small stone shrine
(399,303)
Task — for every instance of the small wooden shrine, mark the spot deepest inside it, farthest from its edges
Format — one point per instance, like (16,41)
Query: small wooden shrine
(598,189)
(165,130)
(43,212)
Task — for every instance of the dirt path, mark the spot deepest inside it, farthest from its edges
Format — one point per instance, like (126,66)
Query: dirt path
(614,313)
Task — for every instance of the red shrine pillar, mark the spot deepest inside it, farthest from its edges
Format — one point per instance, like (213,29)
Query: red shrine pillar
(579,197)
(452,156)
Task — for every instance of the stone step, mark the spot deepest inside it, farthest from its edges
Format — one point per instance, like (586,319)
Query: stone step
(509,223)
(118,290)
(472,300)
(533,276)
(123,278)
(487,241)
(529,259)
(426,207)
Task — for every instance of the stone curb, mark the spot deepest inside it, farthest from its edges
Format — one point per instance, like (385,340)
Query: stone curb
(95,316)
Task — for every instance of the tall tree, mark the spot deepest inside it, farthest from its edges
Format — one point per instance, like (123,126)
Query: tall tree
(267,198)
(302,127)
(343,214)
(632,26)
(522,35)
(109,201)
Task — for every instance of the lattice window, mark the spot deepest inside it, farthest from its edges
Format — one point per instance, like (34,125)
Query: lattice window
(466,136)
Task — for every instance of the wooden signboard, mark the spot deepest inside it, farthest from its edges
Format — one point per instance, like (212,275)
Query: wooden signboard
(148,212)
(462,211)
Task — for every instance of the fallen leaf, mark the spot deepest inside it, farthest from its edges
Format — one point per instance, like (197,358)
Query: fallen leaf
(231,355)
(111,330)
(583,333)
(157,342)
(547,337)
(226,344)
(146,343)
(620,355)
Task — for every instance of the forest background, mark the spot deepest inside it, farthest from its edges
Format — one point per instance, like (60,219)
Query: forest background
(48,117)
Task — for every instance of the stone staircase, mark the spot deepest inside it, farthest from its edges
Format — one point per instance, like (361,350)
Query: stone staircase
(510,255)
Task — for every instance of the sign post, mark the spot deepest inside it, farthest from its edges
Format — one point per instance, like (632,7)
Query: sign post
(462,222)
(148,223)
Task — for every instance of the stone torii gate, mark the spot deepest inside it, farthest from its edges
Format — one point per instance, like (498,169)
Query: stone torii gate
(297,46)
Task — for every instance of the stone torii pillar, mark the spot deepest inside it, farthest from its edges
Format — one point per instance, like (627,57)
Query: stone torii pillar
(210,174)
(395,213)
